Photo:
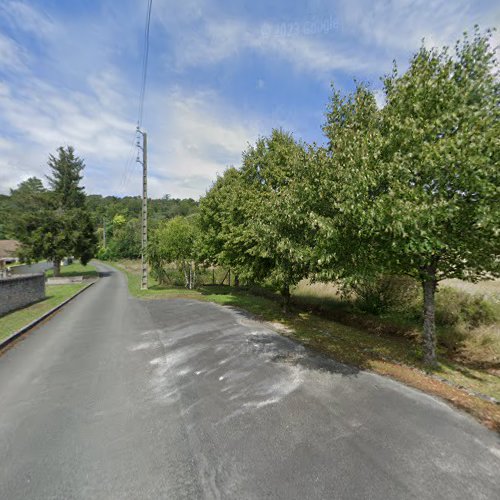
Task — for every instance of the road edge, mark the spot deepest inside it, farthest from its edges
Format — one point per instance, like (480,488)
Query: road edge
(4,343)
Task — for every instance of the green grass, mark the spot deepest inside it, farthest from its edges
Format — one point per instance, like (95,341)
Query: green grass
(56,294)
(13,264)
(76,269)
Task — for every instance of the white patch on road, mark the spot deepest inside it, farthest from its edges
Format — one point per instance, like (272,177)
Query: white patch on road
(156,331)
(261,404)
(142,346)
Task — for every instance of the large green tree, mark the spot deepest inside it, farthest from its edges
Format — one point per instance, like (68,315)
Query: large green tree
(252,219)
(273,170)
(417,181)
(28,199)
(228,236)
(57,224)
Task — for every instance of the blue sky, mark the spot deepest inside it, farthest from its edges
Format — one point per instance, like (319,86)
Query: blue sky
(221,73)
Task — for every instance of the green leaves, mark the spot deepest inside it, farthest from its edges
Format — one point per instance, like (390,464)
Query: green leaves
(66,176)
(412,188)
(53,224)
(417,180)
(175,242)
(250,219)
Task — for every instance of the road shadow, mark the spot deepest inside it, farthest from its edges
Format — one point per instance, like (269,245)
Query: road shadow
(318,362)
(283,349)
(313,361)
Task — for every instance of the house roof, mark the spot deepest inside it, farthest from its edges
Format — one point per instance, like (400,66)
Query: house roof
(8,248)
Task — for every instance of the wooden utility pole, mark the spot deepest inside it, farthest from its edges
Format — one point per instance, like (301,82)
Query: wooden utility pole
(144,225)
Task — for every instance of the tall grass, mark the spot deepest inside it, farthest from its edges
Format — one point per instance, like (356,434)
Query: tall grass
(467,318)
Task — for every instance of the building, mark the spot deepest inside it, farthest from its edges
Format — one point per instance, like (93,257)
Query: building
(8,252)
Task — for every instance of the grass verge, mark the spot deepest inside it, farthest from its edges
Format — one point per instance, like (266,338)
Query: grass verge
(75,269)
(396,356)
(56,294)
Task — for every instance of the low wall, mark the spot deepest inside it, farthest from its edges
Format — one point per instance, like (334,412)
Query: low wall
(19,291)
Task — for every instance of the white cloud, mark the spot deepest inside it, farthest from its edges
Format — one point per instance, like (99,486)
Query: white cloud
(12,56)
(49,115)
(218,39)
(362,39)
(26,18)
(193,136)
(400,25)
(77,90)
(308,53)
(196,136)
(379,95)
(41,117)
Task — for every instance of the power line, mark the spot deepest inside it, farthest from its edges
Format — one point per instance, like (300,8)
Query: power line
(145,57)
(130,163)
(144,64)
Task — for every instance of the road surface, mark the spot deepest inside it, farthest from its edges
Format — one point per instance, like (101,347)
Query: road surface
(37,267)
(118,398)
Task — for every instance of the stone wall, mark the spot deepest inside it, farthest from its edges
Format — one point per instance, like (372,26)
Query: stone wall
(19,291)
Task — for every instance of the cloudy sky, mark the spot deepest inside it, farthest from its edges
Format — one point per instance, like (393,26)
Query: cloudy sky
(221,73)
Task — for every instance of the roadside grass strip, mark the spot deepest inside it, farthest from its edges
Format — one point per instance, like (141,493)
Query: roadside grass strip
(56,294)
(75,269)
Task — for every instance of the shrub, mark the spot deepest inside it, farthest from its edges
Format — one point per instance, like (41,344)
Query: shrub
(160,274)
(456,307)
(482,346)
(382,293)
(168,276)
(466,325)
(104,253)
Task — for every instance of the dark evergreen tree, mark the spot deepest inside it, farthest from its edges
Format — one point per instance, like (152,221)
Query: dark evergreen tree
(66,177)
(55,224)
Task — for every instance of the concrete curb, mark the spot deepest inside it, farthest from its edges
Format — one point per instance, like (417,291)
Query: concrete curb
(29,326)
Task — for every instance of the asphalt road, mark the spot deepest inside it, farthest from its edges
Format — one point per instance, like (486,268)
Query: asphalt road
(37,267)
(117,398)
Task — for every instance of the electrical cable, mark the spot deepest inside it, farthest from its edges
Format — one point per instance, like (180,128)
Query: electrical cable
(145,60)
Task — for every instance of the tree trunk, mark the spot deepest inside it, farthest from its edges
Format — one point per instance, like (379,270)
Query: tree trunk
(285,293)
(429,288)
(213,275)
(229,277)
(236,280)
(57,268)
